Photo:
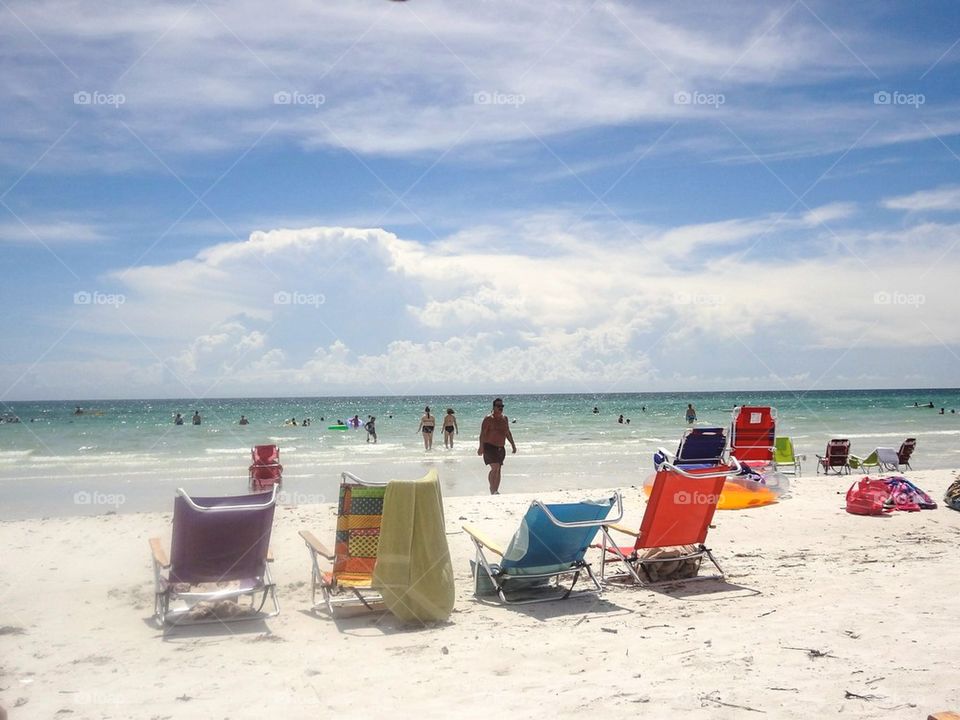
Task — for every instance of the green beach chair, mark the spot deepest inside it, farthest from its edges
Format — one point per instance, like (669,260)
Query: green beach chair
(884,459)
(784,458)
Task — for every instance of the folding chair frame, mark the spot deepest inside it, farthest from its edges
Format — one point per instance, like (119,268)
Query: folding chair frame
(335,595)
(633,561)
(166,592)
(500,578)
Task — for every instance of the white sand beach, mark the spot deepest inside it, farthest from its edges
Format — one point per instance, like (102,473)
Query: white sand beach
(822,613)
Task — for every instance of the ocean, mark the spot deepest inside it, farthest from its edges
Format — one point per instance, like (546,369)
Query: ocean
(128,456)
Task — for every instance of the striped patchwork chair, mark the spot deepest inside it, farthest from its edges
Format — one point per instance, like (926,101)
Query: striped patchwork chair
(349,583)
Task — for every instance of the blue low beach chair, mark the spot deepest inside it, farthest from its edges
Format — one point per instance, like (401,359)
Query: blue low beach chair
(699,446)
(552,541)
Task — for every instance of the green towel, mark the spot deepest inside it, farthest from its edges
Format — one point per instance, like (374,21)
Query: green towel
(413,572)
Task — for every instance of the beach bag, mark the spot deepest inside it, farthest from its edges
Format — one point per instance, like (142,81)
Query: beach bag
(659,566)
(952,496)
(869,497)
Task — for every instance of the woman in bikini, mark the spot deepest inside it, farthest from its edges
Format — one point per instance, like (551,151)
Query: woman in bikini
(449,428)
(427,423)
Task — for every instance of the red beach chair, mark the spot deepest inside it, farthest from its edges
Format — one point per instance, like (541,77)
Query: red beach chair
(836,457)
(265,469)
(752,434)
(905,451)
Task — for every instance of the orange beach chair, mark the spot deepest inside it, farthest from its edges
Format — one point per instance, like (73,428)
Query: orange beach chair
(679,512)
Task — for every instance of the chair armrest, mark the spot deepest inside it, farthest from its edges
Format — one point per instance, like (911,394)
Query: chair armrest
(315,545)
(269,554)
(622,529)
(483,540)
(159,554)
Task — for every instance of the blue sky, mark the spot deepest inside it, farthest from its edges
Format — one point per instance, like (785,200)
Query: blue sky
(207,199)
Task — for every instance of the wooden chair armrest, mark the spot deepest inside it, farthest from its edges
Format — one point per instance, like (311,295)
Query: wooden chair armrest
(483,540)
(315,545)
(159,554)
(623,529)
(269,554)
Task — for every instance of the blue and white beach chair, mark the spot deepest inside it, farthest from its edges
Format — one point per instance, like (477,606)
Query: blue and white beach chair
(699,446)
(551,542)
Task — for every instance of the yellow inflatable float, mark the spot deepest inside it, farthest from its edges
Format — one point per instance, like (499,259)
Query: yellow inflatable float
(740,492)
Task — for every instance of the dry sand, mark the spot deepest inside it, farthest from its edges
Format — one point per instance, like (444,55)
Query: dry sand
(823,613)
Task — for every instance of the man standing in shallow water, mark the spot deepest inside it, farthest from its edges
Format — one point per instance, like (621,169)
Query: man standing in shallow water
(494,433)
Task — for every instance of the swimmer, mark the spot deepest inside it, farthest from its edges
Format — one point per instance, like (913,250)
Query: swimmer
(620,420)
(427,423)
(243,420)
(196,417)
(178,420)
(371,428)
(691,414)
(449,428)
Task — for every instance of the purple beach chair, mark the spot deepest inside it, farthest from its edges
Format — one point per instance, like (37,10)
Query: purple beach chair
(219,553)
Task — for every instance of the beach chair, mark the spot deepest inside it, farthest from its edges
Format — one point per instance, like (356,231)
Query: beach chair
(678,515)
(752,434)
(836,457)
(785,459)
(265,469)
(905,451)
(551,542)
(698,446)
(219,553)
(884,459)
(348,586)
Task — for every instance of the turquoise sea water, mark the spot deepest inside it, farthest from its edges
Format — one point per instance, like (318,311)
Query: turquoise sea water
(129,456)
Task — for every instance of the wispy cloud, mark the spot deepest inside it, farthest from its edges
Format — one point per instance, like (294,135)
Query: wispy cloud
(942,199)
